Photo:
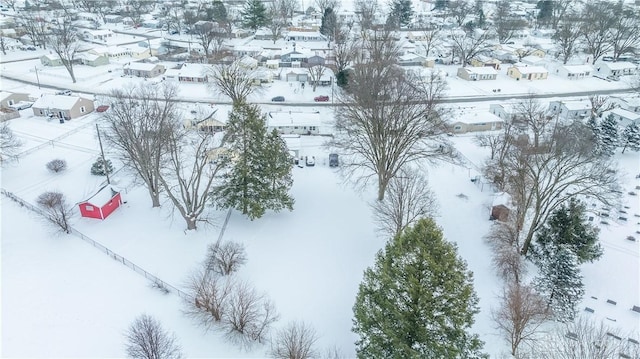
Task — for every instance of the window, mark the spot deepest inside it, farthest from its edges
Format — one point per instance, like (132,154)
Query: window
(88,208)
(82,109)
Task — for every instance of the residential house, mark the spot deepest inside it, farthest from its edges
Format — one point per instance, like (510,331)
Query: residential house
(11,44)
(290,122)
(8,99)
(485,61)
(624,117)
(112,52)
(475,122)
(272,64)
(571,110)
(263,34)
(628,103)
(62,106)
(89,59)
(528,72)
(413,59)
(140,69)
(248,62)
(112,19)
(7,114)
(477,73)
(51,60)
(207,124)
(324,80)
(615,69)
(574,72)
(305,36)
(315,60)
(193,73)
(246,50)
(97,36)
(531,60)
(296,74)
(504,111)
(140,52)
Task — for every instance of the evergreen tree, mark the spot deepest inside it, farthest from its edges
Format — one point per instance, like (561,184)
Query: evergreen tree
(328,25)
(441,5)
(401,13)
(277,172)
(568,226)
(610,136)
(417,301)
(560,282)
(592,123)
(259,174)
(546,10)
(631,137)
(100,169)
(254,15)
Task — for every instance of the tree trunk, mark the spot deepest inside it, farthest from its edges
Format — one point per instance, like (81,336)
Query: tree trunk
(527,241)
(191,224)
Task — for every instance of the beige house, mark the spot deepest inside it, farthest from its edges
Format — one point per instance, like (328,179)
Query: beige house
(477,73)
(476,122)
(145,70)
(51,60)
(528,72)
(61,106)
(10,98)
(485,61)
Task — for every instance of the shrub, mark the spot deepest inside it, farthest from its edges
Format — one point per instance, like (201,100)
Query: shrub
(57,165)
(100,169)
(225,258)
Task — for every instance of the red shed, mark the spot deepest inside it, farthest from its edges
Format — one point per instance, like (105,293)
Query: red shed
(101,204)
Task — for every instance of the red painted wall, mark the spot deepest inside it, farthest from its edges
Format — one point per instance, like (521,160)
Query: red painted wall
(100,213)
(111,206)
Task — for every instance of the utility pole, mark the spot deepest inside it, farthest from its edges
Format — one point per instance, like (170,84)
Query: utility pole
(37,77)
(104,161)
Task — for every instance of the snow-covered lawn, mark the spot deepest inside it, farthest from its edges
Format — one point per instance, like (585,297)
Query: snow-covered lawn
(71,300)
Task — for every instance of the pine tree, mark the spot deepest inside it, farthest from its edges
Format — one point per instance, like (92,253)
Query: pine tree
(597,135)
(568,226)
(328,25)
(99,169)
(401,12)
(259,175)
(417,301)
(277,172)
(631,137)
(610,136)
(254,15)
(560,282)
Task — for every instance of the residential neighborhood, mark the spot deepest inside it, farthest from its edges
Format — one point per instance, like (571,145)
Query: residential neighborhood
(294,179)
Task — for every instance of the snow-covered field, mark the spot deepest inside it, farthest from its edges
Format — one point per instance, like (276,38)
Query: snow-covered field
(56,289)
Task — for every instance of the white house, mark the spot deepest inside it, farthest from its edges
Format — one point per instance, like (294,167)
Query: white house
(571,110)
(477,73)
(628,103)
(574,72)
(475,122)
(615,69)
(97,36)
(624,117)
(291,122)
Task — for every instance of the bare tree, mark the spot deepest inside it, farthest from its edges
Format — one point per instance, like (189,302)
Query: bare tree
(600,104)
(249,317)
(366,11)
(467,45)
(138,125)
(344,51)
(567,37)
(188,174)
(503,239)
(625,32)
(286,9)
(432,38)
(211,294)
(459,10)
(295,341)
(146,339)
(586,339)
(559,11)
(136,9)
(277,19)
(36,29)
(233,80)
(3,43)
(57,209)
(226,258)
(322,5)
(9,144)
(520,314)
(388,118)
(65,43)
(408,199)
(208,33)
(315,74)
(57,165)
(535,117)
(506,24)
(333,353)
(597,18)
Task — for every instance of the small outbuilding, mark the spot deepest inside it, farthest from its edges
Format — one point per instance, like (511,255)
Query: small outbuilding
(101,204)
(501,207)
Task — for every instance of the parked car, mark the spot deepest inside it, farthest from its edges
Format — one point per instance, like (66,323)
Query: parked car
(21,105)
(278,99)
(321,98)
(333,160)
(102,108)
(310,161)
(64,92)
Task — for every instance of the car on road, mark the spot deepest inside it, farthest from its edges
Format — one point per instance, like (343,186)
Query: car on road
(21,105)
(278,99)
(102,108)
(310,161)
(64,92)
(321,98)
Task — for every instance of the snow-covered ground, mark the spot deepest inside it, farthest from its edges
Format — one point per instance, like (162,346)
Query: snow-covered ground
(55,288)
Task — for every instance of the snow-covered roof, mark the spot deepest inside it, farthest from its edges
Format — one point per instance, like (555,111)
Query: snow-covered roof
(103,196)
(531,69)
(477,117)
(577,69)
(577,105)
(141,66)
(291,118)
(619,65)
(60,102)
(620,112)
(481,70)
(502,198)
(193,70)
(531,59)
